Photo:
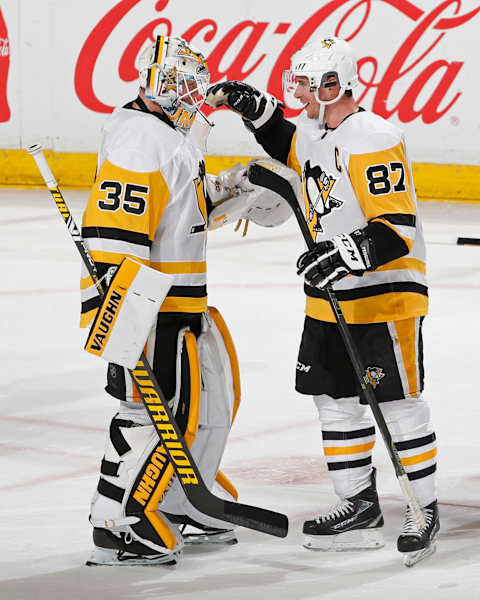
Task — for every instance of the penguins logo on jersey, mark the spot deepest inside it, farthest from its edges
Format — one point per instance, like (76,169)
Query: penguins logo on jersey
(317,186)
(375,374)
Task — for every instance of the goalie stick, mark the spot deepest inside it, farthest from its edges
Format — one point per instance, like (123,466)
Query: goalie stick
(266,177)
(153,399)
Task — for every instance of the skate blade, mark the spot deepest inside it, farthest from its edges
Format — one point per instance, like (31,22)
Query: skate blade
(105,557)
(227,538)
(412,558)
(358,539)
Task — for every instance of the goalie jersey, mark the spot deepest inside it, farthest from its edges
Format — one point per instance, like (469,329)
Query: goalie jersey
(358,176)
(148,203)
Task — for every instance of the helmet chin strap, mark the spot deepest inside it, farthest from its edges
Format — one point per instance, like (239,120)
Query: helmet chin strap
(325,103)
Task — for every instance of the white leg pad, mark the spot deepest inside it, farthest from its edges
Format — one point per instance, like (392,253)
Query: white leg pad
(215,418)
(110,514)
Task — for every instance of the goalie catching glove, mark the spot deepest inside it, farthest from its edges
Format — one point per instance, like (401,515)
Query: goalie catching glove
(258,109)
(332,260)
(235,197)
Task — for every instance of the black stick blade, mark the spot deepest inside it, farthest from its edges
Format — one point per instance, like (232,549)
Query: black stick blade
(260,175)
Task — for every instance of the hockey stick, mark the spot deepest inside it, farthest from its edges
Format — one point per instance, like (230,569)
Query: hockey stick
(465,241)
(265,177)
(158,410)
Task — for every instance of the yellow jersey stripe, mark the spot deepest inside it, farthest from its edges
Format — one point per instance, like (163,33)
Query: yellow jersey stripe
(408,264)
(115,258)
(292,160)
(375,309)
(189,305)
(176,268)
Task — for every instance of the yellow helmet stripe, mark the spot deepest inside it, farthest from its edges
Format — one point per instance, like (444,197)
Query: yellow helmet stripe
(159,48)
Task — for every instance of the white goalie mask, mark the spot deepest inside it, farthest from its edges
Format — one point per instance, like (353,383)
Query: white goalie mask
(175,76)
(319,60)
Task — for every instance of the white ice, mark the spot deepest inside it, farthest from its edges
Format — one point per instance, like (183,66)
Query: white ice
(54,416)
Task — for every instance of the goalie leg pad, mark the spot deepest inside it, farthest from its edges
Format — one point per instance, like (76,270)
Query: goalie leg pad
(135,474)
(220,397)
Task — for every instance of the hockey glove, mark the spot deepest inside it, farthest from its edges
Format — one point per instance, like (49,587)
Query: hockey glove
(331,260)
(258,109)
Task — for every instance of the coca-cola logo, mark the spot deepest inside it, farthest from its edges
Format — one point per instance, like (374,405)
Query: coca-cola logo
(410,61)
(4,51)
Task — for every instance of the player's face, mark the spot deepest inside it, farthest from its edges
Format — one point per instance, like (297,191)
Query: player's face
(305,94)
(307,97)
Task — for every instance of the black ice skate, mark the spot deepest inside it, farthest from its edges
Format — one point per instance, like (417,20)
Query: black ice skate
(196,533)
(418,545)
(119,549)
(353,524)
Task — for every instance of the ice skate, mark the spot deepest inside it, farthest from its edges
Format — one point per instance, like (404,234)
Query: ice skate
(195,533)
(417,545)
(119,549)
(353,524)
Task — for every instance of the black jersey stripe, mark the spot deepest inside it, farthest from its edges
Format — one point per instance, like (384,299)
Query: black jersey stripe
(114,233)
(369,290)
(398,219)
(188,291)
(348,435)
(349,464)
(417,443)
(422,473)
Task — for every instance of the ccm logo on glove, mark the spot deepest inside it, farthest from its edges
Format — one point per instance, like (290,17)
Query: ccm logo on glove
(332,260)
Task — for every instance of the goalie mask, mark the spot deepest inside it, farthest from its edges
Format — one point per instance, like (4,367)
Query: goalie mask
(319,61)
(175,76)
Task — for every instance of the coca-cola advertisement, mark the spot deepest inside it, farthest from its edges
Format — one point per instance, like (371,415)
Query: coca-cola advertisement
(4,68)
(417,64)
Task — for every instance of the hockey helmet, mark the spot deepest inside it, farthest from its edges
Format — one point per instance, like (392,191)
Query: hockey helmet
(175,76)
(319,60)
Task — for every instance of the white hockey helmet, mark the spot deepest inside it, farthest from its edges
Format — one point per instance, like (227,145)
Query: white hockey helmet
(319,60)
(175,76)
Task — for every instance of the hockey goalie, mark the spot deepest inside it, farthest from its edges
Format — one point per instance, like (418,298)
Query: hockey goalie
(149,209)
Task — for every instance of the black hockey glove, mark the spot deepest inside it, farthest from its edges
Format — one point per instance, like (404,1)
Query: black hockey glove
(258,109)
(331,260)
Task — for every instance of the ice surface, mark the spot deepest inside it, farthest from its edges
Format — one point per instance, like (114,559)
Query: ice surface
(54,416)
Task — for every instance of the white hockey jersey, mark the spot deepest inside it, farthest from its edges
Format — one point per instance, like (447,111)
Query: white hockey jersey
(354,175)
(148,203)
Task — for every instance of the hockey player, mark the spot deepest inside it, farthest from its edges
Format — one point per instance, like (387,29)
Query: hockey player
(361,209)
(149,203)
